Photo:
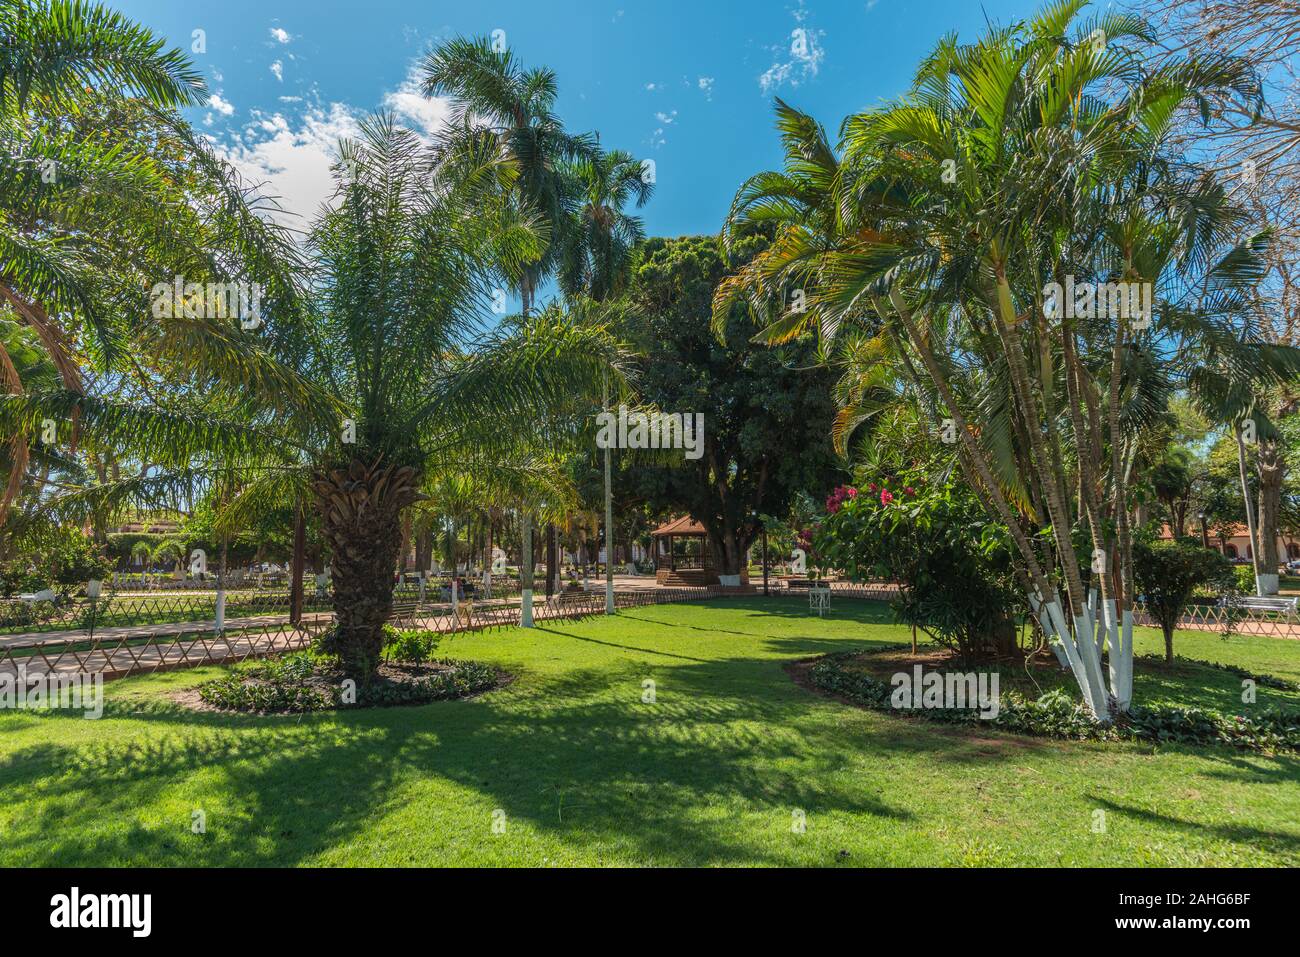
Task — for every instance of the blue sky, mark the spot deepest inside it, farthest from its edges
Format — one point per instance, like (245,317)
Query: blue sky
(687,84)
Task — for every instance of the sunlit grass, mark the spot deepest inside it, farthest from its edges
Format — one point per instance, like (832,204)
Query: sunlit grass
(585,771)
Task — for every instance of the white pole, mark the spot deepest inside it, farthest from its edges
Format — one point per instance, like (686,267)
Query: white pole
(221,595)
(526,574)
(455,605)
(1250,514)
(609,521)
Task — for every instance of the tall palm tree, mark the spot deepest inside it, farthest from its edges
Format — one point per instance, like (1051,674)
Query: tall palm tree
(503,107)
(596,257)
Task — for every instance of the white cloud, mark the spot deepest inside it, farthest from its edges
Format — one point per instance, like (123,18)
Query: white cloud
(221,104)
(290,156)
(280,35)
(277,68)
(422,113)
(705,84)
(291,161)
(796,61)
(651,87)
(666,118)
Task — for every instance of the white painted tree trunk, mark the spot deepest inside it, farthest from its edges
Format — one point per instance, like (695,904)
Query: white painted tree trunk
(1081,652)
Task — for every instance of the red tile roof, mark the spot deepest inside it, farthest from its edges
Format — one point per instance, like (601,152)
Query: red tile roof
(680,526)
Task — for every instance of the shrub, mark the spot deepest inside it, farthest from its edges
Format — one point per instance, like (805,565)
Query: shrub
(1167,573)
(303,682)
(952,564)
(415,646)
(1245,578)
(59,558)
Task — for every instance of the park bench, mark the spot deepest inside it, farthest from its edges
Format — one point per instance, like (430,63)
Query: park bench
(1285,606)
(805,584)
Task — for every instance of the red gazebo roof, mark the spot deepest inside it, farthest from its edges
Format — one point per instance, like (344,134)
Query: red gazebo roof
(681,526)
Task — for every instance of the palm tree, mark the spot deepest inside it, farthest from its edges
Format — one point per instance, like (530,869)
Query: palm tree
(1035,156)
(597,246)
(65,196)
(507,110)
(503,108)
(104,193)
(389,375)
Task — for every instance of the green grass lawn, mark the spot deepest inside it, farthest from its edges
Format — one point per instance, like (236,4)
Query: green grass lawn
(710,773)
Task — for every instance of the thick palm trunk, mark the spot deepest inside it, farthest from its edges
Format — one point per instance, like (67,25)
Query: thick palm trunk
(1271,472)
(360,508)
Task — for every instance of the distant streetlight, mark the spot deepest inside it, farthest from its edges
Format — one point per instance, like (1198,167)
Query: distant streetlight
(1205,536)
(93,589)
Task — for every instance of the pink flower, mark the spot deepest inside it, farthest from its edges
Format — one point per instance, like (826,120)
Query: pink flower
(909,491)
(886,497)
(837,498)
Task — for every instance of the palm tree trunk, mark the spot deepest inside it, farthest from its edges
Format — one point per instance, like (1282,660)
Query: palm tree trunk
(296,566)
(360,508)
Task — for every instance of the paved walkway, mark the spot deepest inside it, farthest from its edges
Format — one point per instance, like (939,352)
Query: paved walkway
(71,635)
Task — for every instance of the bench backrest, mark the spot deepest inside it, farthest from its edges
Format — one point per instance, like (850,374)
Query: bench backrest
(1273,604)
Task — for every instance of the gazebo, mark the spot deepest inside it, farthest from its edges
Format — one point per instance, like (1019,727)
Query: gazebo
(682,554)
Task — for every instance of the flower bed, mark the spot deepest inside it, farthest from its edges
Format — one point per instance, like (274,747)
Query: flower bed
(1058,714)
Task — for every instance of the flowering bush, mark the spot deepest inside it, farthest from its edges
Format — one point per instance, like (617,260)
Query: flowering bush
(953,565)
(839,497)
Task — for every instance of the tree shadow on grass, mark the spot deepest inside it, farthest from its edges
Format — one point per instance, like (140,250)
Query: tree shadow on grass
(620,645)
(707,773)
(281,790)
(858,610)
(1251,768)
(1235,833)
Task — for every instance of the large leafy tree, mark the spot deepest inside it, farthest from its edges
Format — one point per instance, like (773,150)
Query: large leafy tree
(767,414)
(377,376)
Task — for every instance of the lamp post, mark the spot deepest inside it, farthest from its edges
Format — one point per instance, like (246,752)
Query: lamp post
(93,588)
(1205,536)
